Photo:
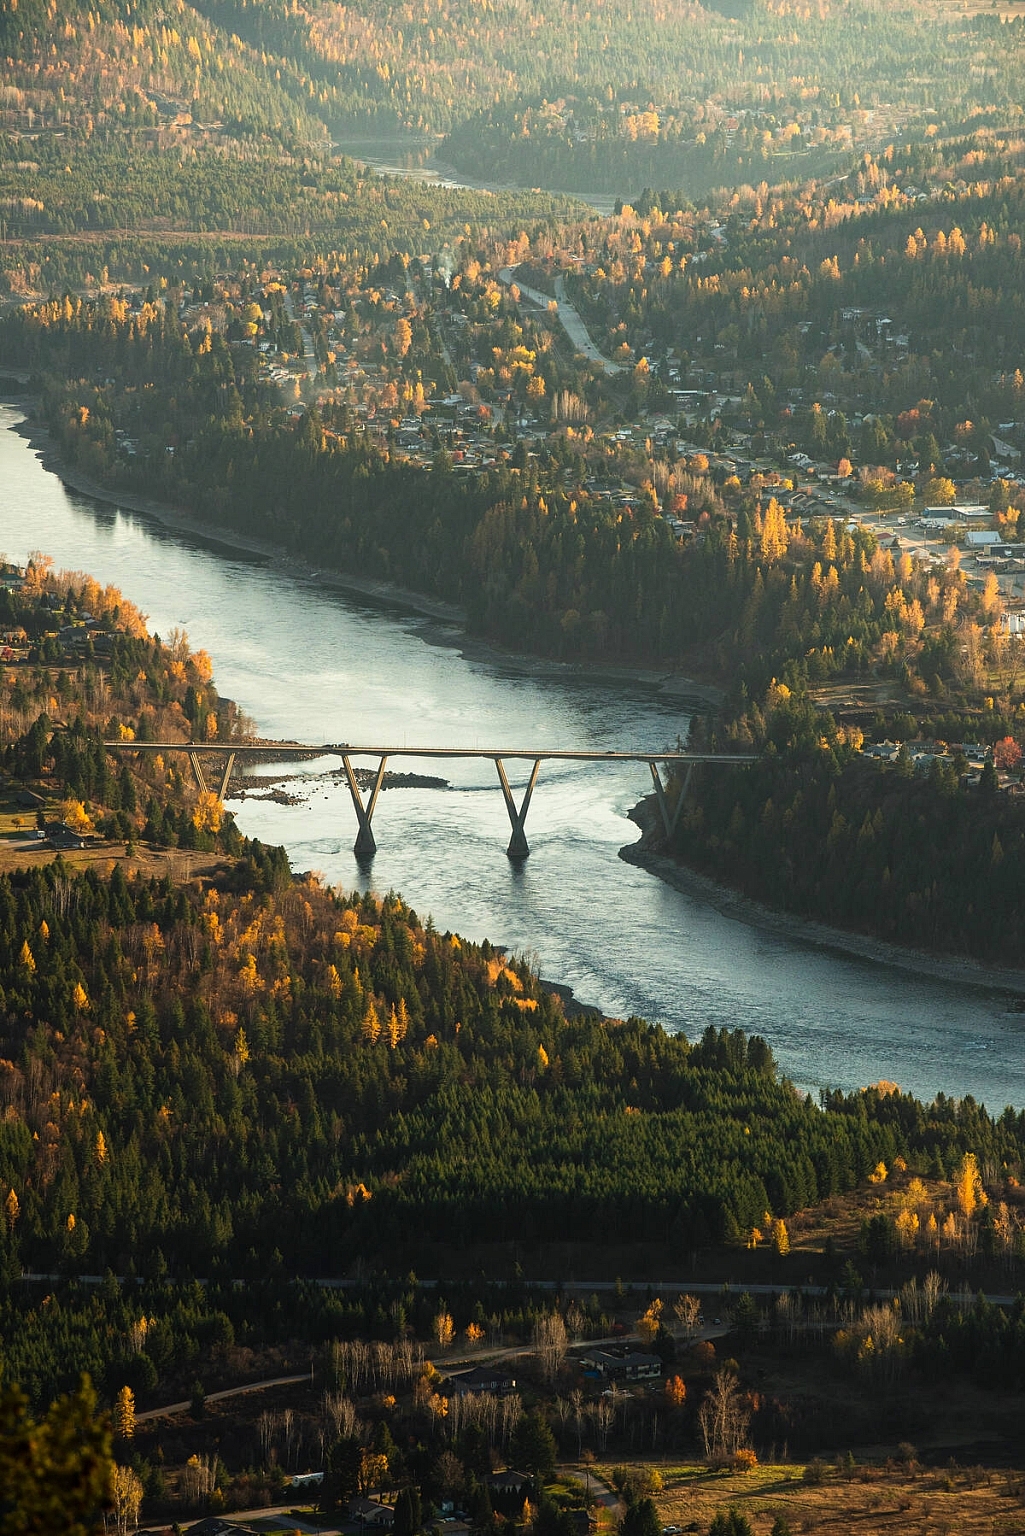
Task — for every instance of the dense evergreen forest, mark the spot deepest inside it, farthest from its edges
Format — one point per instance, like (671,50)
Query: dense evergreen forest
(204,209)
(816,828)
(284,1071)
(265,1073)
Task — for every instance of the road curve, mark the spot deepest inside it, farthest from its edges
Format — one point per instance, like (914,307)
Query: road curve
(218,1397)
(569,318)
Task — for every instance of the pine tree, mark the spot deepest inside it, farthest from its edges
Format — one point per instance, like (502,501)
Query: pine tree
(55,1473)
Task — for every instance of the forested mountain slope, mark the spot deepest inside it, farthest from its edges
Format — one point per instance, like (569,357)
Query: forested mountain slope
(203,1079)
(118,64)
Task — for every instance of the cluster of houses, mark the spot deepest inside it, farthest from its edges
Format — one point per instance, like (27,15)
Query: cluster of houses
(923,754)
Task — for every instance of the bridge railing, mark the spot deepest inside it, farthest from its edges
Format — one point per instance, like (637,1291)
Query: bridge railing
(365,845)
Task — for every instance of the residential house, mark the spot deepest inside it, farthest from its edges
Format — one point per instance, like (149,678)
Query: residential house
(371,1512)
(509,1482)
(622,1363)
(479,1379)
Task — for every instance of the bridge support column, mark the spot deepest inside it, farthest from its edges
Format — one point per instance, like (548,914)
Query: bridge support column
(669,821)
(518,847)
(365,846)
(226,776)
(197,769)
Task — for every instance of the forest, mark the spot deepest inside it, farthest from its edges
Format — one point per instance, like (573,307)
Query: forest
(919,859)
(249,1074)
(220,118)
(257,1076)
(109,681)
(786,292)
(523,539)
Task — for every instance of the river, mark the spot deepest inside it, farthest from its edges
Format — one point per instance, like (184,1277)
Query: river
(313,664)
(413,160)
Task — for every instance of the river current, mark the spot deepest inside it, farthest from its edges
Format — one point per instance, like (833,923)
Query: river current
(313,664)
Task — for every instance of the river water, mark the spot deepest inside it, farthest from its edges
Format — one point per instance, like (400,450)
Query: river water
(413,160)
(312,664)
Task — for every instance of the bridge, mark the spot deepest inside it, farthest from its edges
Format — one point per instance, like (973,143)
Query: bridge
(365,845)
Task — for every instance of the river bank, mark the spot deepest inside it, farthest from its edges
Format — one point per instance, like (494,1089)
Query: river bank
(728,903)
(446,616)
(960,970)
(314,665)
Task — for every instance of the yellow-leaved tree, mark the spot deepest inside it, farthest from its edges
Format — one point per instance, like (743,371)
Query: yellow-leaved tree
(124,1413)
(968,1185)
(651,1322)
(775,537)
(126,1493)
(209,812)
(76,816)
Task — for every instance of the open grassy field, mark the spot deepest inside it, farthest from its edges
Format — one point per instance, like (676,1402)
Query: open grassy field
(873,1500)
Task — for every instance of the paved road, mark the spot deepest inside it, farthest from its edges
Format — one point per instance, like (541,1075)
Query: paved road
(218,1397)
(569,318)
(251,1516)
(599,1490)
(578,333)
(308,352)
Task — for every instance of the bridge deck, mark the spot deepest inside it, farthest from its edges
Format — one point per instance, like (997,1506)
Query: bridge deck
(365,845)
(344,749)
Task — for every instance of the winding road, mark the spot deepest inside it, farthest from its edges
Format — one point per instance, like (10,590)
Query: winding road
(569,317)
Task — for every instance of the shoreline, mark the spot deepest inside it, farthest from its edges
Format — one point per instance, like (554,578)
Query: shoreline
(960,970)
(445,615)
(728,902)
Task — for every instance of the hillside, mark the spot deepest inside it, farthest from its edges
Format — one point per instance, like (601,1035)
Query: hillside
(220,93)
(122,66)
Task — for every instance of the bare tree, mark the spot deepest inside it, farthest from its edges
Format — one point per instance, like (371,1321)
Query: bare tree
(687,1310)
(199,1478)
(341,1412)
(512,1412)
(787,1317)
(550,1343)
(288,1422)
(576,1397)
(266,1425)
(723,1417)
(604,1415)
(932,1289)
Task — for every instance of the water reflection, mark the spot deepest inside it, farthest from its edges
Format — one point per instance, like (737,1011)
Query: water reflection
(309,663)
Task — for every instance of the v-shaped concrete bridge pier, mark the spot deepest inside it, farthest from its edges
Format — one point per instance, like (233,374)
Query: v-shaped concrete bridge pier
(365,845)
